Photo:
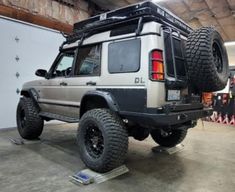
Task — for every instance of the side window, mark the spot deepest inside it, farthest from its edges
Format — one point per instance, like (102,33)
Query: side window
(88,61)
(124,56)
(64,65)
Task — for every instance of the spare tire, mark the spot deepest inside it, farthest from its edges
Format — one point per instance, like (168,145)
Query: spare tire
(207,60)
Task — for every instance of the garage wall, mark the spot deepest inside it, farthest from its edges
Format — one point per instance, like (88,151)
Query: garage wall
(52,9)
(23,49)
(231,54)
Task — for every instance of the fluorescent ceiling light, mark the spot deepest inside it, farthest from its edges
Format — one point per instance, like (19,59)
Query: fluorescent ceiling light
(229,43)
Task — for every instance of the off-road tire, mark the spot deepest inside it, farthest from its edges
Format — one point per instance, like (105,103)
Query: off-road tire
(115,140)
(29,123)
(204,70)
(174,138)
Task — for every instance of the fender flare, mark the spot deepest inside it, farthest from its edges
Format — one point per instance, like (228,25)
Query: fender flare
(109,99)
(31,93)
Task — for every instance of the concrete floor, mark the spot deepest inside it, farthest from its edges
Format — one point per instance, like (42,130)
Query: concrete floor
(207,163)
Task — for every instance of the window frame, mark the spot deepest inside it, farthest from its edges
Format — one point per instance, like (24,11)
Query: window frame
(77,55)
(56,63)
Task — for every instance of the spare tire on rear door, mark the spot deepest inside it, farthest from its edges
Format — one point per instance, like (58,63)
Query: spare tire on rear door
(207,60)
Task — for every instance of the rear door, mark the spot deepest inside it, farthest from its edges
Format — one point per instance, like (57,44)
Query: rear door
(176,76)
(85,77)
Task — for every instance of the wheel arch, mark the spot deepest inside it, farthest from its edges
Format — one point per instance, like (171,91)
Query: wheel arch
(25,93)
(30,93)
(98,99)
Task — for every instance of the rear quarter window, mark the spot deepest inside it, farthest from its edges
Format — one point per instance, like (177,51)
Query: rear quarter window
(124,56)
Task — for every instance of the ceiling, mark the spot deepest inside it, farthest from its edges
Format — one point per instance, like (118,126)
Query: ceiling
(197,13)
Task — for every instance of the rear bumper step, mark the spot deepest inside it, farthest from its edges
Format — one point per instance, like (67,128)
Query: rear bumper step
(164,119)
(181,107)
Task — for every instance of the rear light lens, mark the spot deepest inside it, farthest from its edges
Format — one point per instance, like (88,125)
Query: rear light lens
(157,64)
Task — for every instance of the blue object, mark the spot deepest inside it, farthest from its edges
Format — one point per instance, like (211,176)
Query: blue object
(83,178)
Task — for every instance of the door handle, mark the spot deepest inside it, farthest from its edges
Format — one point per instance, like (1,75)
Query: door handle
(91,83)
(63,84)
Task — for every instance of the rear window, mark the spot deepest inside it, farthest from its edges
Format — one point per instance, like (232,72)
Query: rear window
(124,56)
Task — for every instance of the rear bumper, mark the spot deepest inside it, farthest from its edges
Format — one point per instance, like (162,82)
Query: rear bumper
(172,118)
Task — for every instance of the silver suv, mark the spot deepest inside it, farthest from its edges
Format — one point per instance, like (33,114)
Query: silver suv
(135,71)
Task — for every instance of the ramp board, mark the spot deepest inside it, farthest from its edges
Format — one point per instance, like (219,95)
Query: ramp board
(20,141)
(167,150)
(17,141)
(88,176)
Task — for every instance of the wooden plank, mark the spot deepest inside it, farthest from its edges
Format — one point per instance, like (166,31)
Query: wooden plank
(195,23)
(228,25)
(223,15)
(105,4)
(219,9)
(231,4)
(177,7)
(35,19)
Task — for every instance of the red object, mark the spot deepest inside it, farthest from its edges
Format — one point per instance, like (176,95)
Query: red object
(207,98)
(225,98)
(220,119)
(226,120)
(214,116)
(232,121)
(157,65)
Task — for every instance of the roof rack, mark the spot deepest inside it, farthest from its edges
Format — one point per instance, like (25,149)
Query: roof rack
(139,13)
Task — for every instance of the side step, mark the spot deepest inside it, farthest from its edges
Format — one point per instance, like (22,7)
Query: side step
(59,117)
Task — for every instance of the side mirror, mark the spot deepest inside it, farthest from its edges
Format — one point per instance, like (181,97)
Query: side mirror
(41,73)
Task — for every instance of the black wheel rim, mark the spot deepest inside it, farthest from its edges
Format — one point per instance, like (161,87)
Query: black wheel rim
(22,118)
(217,56)
(94,141)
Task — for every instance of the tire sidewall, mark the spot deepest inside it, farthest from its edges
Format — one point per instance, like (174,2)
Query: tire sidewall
(115,140)
(202,70)
(21,106)
(81,141)
(223,76)
(33,126)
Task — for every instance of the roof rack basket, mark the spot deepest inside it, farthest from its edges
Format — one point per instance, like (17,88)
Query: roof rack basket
(147,11)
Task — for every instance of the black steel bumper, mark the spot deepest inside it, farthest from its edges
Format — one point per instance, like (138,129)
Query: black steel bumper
(172,118)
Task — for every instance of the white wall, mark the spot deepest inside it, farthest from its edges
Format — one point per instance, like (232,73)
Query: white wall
(231,54)
(36,48)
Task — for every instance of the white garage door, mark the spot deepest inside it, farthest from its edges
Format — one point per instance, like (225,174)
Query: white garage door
(23,49)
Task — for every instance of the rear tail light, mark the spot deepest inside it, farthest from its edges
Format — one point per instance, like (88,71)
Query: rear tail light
(157,65)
